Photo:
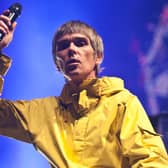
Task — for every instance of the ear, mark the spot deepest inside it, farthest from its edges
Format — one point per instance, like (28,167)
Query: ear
(99,59)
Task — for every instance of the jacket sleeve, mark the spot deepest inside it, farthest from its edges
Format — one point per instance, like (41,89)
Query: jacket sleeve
(141,145)
(18,119)
(9,125)
(5,63)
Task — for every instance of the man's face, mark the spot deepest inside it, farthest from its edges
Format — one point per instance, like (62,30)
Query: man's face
(77,54)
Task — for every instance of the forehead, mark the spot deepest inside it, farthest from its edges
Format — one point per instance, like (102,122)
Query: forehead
(72,36)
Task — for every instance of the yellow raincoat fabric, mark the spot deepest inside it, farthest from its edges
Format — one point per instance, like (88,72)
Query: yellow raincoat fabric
(99,124)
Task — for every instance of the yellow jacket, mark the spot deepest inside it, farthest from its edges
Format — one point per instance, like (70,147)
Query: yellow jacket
(96,125)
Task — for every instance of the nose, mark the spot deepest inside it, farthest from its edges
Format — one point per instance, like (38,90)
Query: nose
(71,49)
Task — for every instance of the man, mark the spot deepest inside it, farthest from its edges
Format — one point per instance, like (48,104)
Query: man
(95,122)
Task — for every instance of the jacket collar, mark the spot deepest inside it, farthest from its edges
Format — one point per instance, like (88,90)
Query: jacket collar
(93,88)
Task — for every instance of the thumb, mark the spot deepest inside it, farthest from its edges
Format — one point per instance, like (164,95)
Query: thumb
(13,26)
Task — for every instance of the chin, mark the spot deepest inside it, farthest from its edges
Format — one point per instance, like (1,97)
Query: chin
(75,77)
(73,74)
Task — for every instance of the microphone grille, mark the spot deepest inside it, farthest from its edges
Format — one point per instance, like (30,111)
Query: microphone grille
(16,8)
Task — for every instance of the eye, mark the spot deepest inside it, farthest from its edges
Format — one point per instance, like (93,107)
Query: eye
(62,45)
(80,42)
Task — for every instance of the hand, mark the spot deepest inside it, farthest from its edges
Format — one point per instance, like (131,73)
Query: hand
(7,28)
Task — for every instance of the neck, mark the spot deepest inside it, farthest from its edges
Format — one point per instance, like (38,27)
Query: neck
(79,79)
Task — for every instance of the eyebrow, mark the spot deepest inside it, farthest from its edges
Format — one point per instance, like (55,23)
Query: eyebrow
(73,38)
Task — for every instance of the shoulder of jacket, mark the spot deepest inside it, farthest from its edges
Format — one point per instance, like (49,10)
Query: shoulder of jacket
(124,96)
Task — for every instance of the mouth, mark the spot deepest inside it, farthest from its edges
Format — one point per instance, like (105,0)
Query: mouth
(72,64)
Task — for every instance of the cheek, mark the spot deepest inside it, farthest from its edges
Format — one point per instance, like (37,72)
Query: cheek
(90,60)
(88,53)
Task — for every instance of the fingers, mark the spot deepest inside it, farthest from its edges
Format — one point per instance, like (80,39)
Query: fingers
(5,23)
(3,26)
(6,29)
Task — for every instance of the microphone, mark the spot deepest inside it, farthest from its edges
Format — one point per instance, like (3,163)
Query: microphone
(14,12)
